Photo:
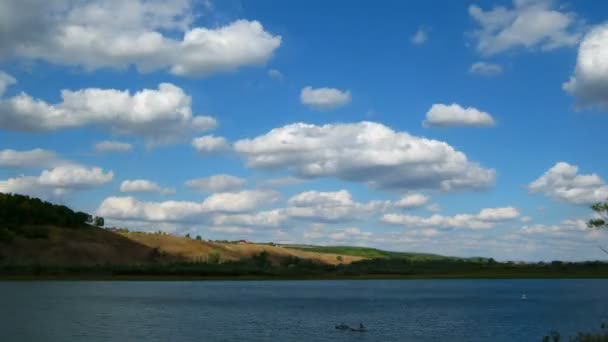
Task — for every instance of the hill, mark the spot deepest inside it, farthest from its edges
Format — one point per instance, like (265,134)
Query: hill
(367,252)
(198,250)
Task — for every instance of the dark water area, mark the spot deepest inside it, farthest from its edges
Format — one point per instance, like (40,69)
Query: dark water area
(393,310)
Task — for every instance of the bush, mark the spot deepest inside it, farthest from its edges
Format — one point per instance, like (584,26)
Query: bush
(6,235)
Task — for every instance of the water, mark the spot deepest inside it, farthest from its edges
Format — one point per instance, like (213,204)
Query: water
(393,310)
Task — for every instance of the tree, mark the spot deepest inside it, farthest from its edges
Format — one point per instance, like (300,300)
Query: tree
(339,258)
(98,221)
(199,238)
(213,257)
(188,235)
(601,209)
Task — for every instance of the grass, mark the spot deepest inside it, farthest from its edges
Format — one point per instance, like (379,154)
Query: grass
(366,252)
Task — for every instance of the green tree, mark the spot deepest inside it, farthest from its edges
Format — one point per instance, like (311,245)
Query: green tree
(199,238)
(339,258)
(601,209)
(188,235)
(98,221)
(213,257)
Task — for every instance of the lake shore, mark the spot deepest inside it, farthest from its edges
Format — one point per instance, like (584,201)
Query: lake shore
(126,277)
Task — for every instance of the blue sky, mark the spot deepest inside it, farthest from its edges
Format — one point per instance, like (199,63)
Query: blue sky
(461,128)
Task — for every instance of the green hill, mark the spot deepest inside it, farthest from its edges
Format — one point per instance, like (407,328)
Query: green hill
(367,252)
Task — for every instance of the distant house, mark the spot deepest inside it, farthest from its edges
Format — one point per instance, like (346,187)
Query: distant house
(243,241)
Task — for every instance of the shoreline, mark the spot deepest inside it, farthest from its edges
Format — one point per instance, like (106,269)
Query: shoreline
(101,277)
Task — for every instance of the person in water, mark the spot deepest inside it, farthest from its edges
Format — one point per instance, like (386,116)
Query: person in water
(361,326)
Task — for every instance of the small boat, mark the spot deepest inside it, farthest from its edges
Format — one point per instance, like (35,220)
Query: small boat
(361,328)
(358,329)
(342,327)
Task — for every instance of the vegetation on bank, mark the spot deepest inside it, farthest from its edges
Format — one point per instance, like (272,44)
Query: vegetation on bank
(367,252)
(26,217)
(593,336)
(260,266)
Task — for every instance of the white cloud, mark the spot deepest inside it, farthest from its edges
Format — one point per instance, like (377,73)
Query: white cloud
(350,234)
(150,35)
(210,144)
(330,207)
(143,185)
(441,115)
(28,159)
(275,74)
(485,69)
(562,229)
(562,182)
(486,218)
(216,183)
(263,219)
(324,98)
(420,37)
(159,115)
(232,230)
(73,176)
(364,152)
(412,201)
(58,181)
(112,146)
(131,209)
(589,83)
(6,80)
(529,24)
(242,201)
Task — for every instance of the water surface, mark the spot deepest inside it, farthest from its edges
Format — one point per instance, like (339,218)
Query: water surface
(394,310)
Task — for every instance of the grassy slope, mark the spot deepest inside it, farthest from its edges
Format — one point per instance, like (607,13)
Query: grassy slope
(199,250)
(90,245)
(85,245)
(365,252)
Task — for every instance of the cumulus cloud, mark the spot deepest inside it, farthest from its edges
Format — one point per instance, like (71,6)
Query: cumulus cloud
(242,201)
(210,144)
(112,146)
(528,24)
(150,35)
(330,207)
(58,181)
(263,219)
(485,69)
(129,208)
(159,115)
(37,157)
(420,37)
(324,98)
(486,218)
(216,183)
(557,230)
(6,80)
(454,115)
(562,182)
(350,234)
(589,83)
(364,152)
(412,201)
(143,185)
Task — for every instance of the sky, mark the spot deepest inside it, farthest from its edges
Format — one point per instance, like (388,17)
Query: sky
(461,128)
